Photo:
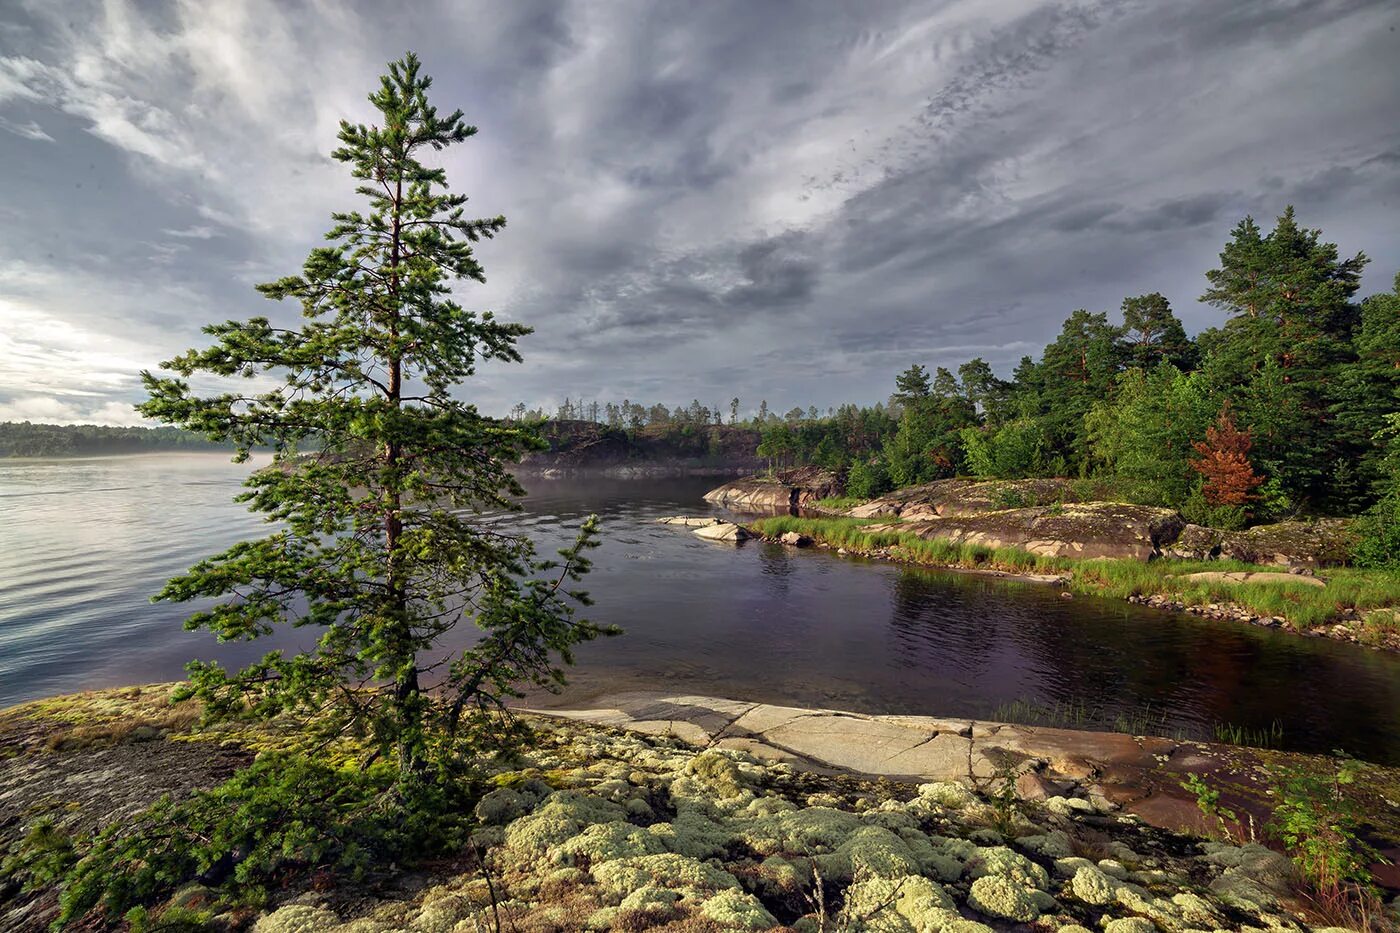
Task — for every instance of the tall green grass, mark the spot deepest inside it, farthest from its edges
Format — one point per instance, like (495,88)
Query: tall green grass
(838,503)
(1075,714)
(1140,720)
(1303,606)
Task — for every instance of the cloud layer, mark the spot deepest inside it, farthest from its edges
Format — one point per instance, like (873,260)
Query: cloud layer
(787,201)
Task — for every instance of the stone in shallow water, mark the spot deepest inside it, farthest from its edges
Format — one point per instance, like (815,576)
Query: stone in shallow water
(722,531)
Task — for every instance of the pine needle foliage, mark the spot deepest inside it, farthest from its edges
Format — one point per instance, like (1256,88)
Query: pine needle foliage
(377,547)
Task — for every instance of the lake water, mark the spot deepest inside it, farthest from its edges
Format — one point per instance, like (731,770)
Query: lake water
(85,543)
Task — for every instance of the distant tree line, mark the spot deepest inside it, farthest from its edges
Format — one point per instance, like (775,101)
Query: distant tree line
(26,439)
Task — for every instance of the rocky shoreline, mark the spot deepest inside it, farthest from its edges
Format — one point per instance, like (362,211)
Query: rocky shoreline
(699,814)
(1045,517)
(1347,628)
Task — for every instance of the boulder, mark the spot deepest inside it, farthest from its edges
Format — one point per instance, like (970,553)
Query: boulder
(1196,542)
(722,531)
(784,491)
(795,539)
(1081,530)
(1217,576)
(690,521)
(1325,542)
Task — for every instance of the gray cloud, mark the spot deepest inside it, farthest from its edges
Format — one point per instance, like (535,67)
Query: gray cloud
(786,200)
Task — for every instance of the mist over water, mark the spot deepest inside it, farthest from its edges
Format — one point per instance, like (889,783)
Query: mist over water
(85,543)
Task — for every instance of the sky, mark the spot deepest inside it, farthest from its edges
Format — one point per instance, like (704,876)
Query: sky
(788,201)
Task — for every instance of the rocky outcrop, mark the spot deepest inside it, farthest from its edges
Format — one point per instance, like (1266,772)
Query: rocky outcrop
(1196,542)
(1019,507)
(1325,542)
(954,497)
(1081,530)
(784,491)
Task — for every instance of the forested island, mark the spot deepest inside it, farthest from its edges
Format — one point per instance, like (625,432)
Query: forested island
(26,439)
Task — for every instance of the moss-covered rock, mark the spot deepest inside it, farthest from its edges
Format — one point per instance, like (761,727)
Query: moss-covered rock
(735,910)
(1093,887)
(1007,863)
(652,899)
(948,794)
(1000,896)
(910,904)
(870,852)
(1053,844)
(1130,925)
(817,830)
(604,842)
(500,806)
(297,918)
(779,876)
(667,870)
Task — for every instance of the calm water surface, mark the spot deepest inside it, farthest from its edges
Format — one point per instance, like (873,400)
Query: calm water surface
(84,544)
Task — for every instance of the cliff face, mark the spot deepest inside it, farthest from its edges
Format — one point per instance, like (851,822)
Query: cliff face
(653,450)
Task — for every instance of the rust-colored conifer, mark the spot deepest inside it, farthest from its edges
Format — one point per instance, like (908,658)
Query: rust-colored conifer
(1224,463)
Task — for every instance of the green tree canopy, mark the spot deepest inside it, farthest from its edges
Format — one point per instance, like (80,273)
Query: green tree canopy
(1280,354)
(1152,334)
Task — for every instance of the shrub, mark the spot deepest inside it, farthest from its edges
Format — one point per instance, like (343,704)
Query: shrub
(1318,824)
(1198,510)
(1378,535)
(44,854)
(283,813)
(868,479)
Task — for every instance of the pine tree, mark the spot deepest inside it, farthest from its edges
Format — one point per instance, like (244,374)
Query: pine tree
(1281,354)
(375,549)
(911,385)
(1079,369)
(945,384)
(1223,463)
(1152,334)
(1367,394)
(984,390)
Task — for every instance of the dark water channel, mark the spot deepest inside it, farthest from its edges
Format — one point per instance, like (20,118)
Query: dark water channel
(83,544)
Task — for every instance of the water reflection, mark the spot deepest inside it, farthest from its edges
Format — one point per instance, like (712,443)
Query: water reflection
(87,542)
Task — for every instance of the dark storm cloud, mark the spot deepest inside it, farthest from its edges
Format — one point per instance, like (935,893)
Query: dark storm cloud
(787,201)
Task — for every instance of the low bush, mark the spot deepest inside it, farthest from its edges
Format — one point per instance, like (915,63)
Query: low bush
(1318,823)
(283,814)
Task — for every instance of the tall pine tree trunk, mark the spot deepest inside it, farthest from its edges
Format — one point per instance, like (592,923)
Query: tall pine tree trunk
(407,711)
